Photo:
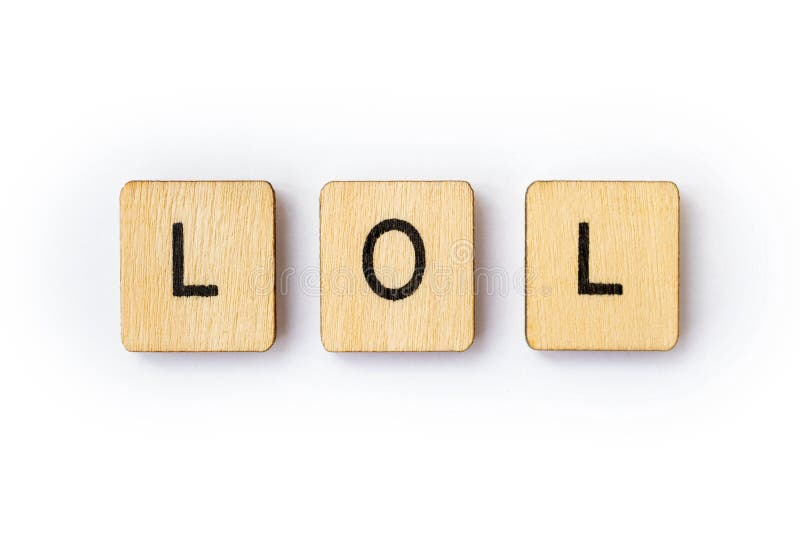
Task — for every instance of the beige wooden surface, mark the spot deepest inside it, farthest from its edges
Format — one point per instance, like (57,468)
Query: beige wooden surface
(439,315)
(634,241)
(229,241)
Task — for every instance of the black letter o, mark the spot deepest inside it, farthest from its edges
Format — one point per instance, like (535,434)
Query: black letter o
(368,267)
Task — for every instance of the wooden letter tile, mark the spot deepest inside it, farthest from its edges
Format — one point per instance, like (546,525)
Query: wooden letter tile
(197,266)
(396,263)
(602,265)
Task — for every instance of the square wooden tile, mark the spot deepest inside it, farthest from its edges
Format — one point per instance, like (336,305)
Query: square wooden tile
(602,265)
(197,267)
(396,263)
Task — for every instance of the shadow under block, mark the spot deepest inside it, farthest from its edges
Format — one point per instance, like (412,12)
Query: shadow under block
(197,267)
(396,263)
(602,265)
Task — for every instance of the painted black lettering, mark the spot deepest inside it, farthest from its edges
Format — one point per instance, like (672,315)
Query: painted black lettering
(585,287)
(178,289)
(367,260)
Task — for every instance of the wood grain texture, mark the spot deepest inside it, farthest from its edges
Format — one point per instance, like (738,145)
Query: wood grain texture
(633,237)
(439,315)
(229,241)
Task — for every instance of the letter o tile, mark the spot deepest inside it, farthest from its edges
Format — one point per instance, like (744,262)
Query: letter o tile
(396,266)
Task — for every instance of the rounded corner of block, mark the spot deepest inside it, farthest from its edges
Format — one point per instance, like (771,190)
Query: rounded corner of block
(676,190)
(127,187)
(126,344)
(672,343)
(466,344)
(327,345)
(267,344)
(328,185)
(468,186)
(268,185)
(533,186)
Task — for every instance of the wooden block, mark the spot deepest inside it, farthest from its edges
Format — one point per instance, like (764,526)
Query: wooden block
(396,266)
(197,269)
(602,265)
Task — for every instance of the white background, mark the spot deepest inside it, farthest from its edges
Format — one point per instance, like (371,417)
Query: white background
(500,438)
